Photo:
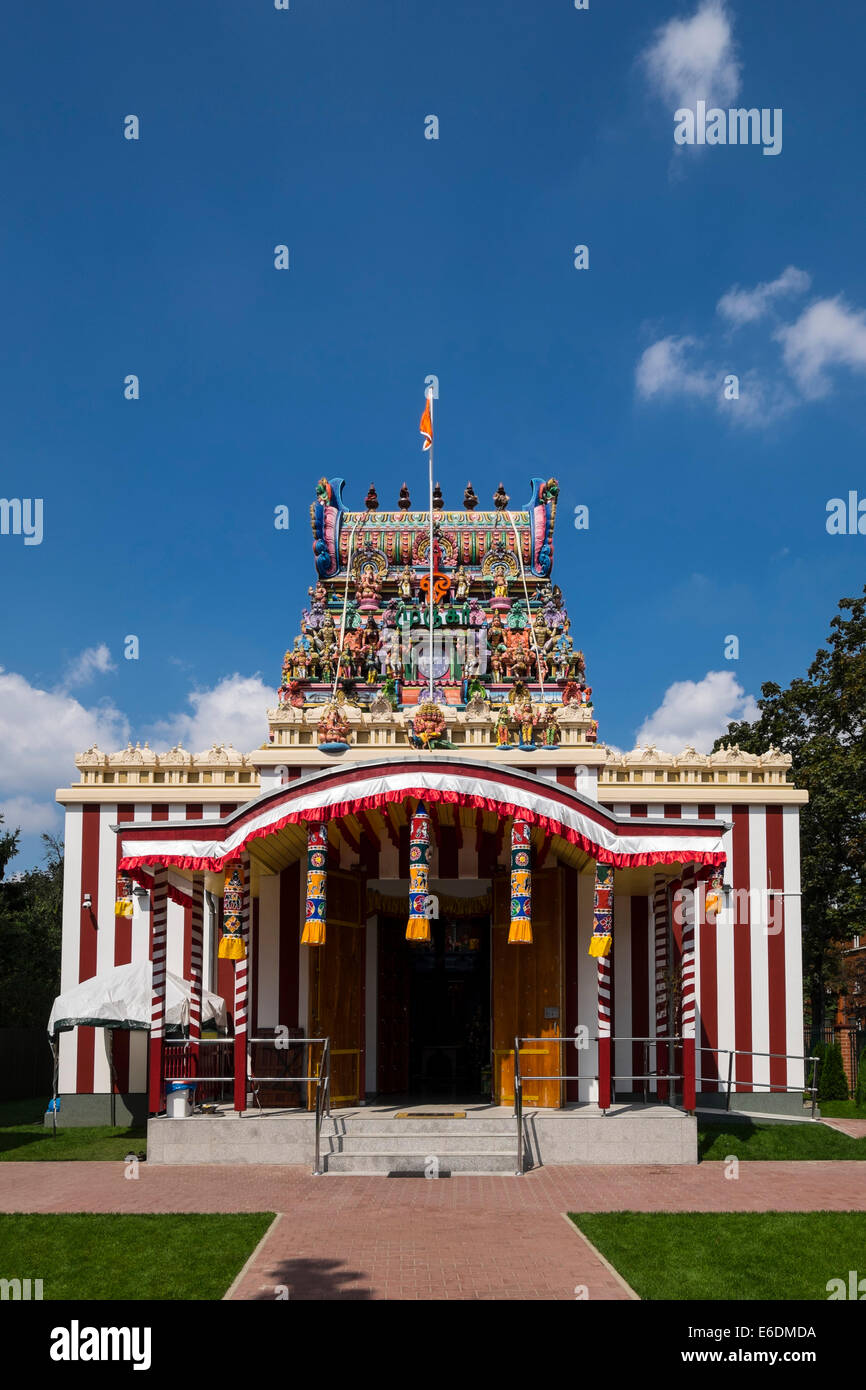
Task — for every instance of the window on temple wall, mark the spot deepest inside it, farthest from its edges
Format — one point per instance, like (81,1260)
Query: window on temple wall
(193,777)
(243,776)
(159,777)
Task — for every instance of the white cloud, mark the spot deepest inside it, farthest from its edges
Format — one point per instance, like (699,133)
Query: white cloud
(695,58)
(233,711)
(40,733)
(827,334)
(665,370)
(42,730)
(696,713)
(91,662)
(741,306)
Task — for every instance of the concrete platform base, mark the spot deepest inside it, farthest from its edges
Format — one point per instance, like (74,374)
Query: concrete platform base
(78,1111)
(390,1140)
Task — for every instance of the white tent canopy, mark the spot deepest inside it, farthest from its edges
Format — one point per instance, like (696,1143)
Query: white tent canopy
(121,998)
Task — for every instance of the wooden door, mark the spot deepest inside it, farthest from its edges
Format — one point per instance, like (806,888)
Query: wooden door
(337,973)
(393,1007)
(527,994)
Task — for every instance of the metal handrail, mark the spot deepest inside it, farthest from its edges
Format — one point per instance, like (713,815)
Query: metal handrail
(518,1104)
(323,1085)
(773,1087)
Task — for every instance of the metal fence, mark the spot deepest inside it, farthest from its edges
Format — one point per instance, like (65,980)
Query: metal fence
(851,1042)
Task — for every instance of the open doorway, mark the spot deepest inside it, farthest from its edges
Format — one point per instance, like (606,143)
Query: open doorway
(434,1011)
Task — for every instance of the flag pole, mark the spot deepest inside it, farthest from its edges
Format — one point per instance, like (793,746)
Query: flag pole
(430,594)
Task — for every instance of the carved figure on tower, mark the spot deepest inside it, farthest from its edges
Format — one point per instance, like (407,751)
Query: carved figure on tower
(333,727)
(367,589)
(461,585)
(427,729)
(503,728)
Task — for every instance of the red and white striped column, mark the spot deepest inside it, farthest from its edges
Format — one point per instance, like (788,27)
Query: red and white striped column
(241,996)
(660,927)
(159,928)
(195,970)
(689,910)
(604,995)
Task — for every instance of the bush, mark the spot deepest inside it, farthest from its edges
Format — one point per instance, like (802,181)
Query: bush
(860,1093)
(832,1081)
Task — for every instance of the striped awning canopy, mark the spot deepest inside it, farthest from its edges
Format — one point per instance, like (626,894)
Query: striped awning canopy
(457,790)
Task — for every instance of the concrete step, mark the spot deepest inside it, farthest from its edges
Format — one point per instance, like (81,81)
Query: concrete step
(373,1164)
(442,1143)
(378,1124)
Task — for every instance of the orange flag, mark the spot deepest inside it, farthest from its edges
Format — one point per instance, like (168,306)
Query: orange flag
(426,425)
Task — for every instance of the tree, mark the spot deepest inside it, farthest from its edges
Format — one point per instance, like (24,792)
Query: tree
(31,914)
(8,845)
(820,719)
(832,1081)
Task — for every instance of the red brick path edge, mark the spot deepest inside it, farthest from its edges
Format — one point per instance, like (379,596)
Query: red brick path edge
(414,1238)
(855,1129)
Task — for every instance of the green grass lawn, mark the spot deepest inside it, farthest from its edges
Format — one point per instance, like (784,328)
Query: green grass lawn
(842,1110)
(86,1256)
(729,1255)
(775,1141)
(24,1136)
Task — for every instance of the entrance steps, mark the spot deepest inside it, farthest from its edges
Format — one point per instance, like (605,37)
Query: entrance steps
(383,1139)
(436,1145)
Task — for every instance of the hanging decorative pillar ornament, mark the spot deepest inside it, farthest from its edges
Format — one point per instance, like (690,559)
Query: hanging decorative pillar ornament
(123,896)
(317,886)
(418,926)
(232,945)
(602,912)
(713,900)
(520,930)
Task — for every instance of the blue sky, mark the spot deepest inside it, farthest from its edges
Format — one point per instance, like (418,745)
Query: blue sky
(412,256)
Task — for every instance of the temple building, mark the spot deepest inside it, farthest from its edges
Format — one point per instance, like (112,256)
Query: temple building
(434,863)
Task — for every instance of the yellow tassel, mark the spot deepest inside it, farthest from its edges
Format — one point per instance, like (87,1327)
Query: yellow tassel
(520,933)
(313,934)
(599,945)
(232,948)
(418,929)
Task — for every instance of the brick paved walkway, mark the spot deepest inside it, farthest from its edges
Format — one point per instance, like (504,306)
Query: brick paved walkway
(410,1238)
(855,1128)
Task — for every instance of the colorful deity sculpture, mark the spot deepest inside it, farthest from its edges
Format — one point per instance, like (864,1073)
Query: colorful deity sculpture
(461,585)
(300,660)
(476,613)
(333,727)
(405,585)
(550,735)
(524,715)
(500,583)
(503,728)
(428,726)
(367,589)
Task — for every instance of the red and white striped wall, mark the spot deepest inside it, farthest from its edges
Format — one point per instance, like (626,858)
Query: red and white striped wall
(94,939)
(747,979)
